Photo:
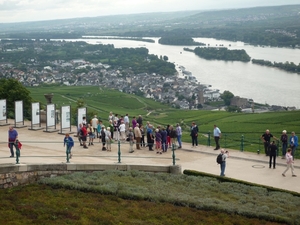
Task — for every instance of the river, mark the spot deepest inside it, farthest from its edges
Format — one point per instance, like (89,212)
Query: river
(262,84)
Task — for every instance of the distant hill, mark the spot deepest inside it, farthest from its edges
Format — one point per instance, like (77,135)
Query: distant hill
(271,25)
(85,23)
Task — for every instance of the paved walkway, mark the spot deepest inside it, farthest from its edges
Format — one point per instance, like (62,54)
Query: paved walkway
(45,147)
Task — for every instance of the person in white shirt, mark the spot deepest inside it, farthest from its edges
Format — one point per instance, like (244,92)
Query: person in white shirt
(94,123)
(122,131)
(217,136)
(84,123)
(126,121)
(179,134)
(111,116)
(108,139)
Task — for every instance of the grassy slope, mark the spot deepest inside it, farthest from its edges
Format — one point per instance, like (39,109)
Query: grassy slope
(40,204)
(233,125)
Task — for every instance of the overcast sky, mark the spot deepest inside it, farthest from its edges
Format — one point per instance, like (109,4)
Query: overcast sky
(36,10)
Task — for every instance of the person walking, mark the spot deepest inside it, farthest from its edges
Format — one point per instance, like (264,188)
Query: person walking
(173,136)
(131,140)
(108,139)
(99,127)
(272,153)
(122,130)
(293,143)
(158,141)
(140,120)
(289,162)
(179,134)
(266,138)
(91,134)
(284,143)
(164,144)
(79,134)
(225,155)
(194,134)
(217,136)
(94,123)
(126,121)
(138,136)
(83,134)
(103,137)
(150,137)
(116,131)
(133,122)
(168,136)
(12,140)
(146,129)
(142,129)
(69,142)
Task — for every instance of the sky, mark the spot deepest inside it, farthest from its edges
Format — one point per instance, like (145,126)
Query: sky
(36,10)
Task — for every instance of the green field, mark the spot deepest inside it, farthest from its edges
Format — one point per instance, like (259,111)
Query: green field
(135,197)
(234,126)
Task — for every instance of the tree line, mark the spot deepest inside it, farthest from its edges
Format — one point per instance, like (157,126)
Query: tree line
(178,40)
(287,66)
(252,35)
(42,52)
(221,54)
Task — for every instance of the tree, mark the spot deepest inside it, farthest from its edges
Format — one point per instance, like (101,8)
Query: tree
(227,96)
(233,109)
(12,90)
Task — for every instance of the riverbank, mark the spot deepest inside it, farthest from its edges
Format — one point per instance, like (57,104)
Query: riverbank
(262,84)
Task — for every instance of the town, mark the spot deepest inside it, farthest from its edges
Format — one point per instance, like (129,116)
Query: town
(181,89)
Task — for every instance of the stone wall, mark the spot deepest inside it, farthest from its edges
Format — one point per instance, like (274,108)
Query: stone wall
(15,175)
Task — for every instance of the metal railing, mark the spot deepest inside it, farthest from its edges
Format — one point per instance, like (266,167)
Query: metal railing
(68,150)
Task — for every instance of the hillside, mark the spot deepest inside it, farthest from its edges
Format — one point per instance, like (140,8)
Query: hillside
(101,101)
(270,25)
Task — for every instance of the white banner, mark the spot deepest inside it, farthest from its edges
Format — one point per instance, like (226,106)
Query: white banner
(35,113)
(65,117)
(50,115)
(81,114)
(3,109)
(18,111)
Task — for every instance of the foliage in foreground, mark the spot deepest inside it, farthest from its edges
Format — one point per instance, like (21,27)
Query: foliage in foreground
(203,193)
(41,204)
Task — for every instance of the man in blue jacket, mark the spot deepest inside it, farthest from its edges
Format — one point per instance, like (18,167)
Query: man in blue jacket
(293,143)
(68,140)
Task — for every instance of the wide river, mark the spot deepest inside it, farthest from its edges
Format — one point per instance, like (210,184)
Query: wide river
(260,83)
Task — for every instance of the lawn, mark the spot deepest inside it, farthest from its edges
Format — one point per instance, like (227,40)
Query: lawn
(116,197)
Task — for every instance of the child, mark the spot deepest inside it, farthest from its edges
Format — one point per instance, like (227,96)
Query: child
(70,143)
(158,141)
(289,162)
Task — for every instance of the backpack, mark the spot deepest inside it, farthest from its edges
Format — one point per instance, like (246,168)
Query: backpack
(80,133)
(284,138)
(220,158)
(103,133)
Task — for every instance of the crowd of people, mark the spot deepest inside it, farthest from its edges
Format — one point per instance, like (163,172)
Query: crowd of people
(158,138)
(289,146)
(120,128)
